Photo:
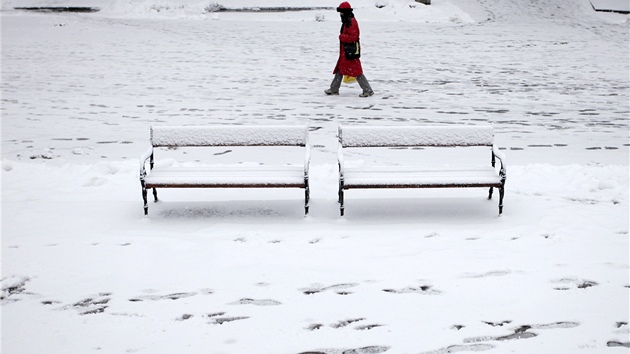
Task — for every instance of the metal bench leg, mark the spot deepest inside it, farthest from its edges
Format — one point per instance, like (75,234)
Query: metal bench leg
(341,201)
(307,198)
(144,198)
(155,195)
(341,206)
(501,194)
(490,193)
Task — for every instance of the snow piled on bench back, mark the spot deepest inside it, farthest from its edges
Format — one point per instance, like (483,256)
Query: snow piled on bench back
(233,135)
(407,136)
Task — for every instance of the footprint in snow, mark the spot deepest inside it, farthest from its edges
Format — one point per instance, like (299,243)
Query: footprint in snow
(494,273)
(423,289)
(375,349)
(614,343)
(262,302)
(367,327)
(50,302)
(513,336)
(91,305)
(568,283)
(219,318)
(314,327)
(462,348)
(521,332)
(620,324)
(367,350)
(345,323)
(338,288)
(497,324)
(174,296)
(13,287)
(556,325)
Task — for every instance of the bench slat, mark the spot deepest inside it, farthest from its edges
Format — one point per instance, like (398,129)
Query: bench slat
(387,176)
(223,176)
(236,135)
(409,136)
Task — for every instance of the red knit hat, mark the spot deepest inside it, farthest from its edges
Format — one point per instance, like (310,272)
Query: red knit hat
(344,5)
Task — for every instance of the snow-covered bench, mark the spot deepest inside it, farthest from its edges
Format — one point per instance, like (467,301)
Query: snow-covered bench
(225,176)
(420,176)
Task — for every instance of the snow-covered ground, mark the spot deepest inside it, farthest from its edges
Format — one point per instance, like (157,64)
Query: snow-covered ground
(242,271)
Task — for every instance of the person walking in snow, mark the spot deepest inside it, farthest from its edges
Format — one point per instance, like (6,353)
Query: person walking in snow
(349,63)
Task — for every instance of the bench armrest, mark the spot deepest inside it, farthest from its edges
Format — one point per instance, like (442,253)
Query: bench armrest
(340,161)
(148,155)
(501,156)
(307,160)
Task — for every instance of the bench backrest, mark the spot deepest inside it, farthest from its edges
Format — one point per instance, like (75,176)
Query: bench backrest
(410,136)
(233,135)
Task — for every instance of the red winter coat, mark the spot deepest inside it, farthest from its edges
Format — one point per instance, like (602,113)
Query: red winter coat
(345,66)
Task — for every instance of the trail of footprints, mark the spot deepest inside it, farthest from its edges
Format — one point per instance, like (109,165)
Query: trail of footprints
(14,288)
(59,146)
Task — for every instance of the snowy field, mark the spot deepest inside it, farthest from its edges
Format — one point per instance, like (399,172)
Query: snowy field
(243,271)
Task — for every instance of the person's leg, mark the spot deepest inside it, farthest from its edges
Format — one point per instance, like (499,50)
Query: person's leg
(335,85)
(365,86)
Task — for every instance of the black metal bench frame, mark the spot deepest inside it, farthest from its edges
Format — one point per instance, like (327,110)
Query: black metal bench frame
(415,137)
(224,136)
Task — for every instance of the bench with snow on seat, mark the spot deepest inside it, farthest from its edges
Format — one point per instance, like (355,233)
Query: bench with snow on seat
(220,175)
(430,140)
